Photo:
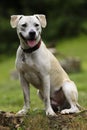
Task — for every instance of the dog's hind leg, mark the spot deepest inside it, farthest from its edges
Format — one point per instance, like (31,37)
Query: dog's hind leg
(71,94)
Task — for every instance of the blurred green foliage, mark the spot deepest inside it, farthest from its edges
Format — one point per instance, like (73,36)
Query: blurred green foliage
(66,18)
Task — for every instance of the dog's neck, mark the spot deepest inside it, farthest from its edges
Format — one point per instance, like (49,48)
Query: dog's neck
(30,50)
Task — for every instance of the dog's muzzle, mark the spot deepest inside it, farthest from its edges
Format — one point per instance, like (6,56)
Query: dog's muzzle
(30,40)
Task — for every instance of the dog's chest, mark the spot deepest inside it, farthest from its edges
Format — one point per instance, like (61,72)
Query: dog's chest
(31,70)
(30,62)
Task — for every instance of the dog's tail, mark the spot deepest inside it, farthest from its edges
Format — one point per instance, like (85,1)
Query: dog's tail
(80,107)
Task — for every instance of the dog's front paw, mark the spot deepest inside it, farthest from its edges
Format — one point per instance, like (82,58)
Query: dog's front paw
(22,112)
(50,112)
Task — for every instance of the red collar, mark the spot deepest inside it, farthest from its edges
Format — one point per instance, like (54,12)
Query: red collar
(30,50)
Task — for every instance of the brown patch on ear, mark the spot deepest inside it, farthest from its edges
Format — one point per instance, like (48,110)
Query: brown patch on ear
(14,20)
(42,20)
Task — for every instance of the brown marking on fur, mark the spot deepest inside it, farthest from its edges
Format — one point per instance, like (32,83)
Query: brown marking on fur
(58,101)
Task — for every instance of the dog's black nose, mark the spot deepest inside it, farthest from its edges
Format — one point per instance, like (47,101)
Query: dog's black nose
(32,34)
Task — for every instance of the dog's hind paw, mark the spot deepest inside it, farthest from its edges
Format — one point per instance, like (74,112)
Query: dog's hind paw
(70,111)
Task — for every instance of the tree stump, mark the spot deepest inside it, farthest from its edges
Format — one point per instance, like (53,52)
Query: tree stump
(9,121)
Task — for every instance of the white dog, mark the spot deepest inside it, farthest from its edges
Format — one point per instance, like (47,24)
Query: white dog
(37,65)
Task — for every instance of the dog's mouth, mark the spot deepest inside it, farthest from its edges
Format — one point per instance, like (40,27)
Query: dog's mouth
(31,42)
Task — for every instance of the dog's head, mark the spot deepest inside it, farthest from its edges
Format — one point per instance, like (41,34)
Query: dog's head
(28,28)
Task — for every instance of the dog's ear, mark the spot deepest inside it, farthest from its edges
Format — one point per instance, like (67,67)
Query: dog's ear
(42,20)
(14,20)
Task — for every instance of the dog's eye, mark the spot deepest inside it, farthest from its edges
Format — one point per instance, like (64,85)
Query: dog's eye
(24,25)
(36,25)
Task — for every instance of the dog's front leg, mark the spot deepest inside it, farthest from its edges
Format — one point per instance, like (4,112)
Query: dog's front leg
(26,93)
(46,90)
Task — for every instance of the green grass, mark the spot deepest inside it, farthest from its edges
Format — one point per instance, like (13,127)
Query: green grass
(11,97)
(74,47)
